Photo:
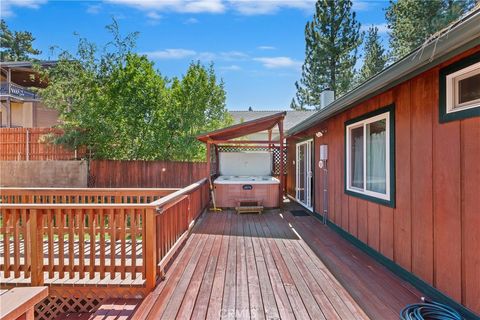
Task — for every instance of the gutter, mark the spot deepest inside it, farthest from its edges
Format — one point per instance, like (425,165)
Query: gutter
(459,37)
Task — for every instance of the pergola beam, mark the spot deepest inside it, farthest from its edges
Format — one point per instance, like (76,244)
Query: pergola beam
(239,142)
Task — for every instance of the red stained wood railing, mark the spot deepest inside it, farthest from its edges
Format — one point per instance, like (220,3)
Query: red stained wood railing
(83,195)
(96,236)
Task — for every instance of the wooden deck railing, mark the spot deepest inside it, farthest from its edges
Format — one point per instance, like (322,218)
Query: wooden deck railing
(83,195)
(117,234)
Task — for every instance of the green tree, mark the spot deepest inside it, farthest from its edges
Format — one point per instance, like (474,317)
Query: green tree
(375,56)
(114,102)
(196,104)
(17,45)
(413,21)
(331,42)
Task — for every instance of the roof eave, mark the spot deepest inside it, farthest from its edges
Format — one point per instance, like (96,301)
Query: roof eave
(463,36)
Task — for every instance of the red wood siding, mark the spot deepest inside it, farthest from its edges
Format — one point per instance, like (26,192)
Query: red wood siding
(433,229)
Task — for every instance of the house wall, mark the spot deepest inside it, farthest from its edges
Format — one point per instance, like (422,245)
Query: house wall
(433,231)
(45,117)
(16,114)
(29,114)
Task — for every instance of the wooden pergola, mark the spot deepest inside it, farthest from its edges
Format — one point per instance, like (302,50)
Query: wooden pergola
(228,136)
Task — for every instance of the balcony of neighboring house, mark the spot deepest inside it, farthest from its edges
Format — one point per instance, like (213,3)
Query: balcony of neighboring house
(21,106)
(15,91)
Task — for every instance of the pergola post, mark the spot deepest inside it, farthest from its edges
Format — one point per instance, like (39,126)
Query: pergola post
(217,163)
(209,169)
(282,155)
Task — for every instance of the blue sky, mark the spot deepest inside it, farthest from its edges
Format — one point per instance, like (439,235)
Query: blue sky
(257,46)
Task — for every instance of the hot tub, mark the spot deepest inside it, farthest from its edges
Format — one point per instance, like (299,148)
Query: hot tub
(231,190)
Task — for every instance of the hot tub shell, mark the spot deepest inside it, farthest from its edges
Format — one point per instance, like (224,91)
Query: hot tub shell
(230,191)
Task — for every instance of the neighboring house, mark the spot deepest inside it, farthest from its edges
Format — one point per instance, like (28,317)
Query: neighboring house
(394,165)
(292,118)
(20,106)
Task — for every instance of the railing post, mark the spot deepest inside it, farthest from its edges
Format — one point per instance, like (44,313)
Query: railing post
(36,246)
(189,211)
(149,242)
(27,145)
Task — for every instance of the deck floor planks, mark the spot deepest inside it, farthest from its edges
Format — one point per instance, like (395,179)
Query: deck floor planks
(242,305)
(216,296)
(273,266)
(298,306)
(171,288)
(253,282)
(229,291)
(332,291)
(283,303)
(317,303)
(268,296)
(378,290)
(200,307)
(147,304)
(191,294)
(362,291)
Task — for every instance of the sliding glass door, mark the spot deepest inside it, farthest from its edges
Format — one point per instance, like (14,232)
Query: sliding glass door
(304,174)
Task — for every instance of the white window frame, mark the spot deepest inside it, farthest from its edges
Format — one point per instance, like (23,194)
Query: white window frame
(452,92)
(363,123)
(308,168)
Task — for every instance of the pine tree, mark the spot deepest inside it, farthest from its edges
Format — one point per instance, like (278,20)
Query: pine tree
(375,57)
(16,46)
(331,42)
(413,21)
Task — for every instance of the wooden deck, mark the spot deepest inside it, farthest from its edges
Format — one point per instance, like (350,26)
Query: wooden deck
(53,278)
(273,266)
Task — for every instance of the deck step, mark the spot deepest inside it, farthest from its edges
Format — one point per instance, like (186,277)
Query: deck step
(249,209)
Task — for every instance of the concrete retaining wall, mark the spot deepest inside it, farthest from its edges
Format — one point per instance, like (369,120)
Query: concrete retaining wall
(72,174)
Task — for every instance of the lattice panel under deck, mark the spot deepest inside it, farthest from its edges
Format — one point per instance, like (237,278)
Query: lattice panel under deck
(52,307)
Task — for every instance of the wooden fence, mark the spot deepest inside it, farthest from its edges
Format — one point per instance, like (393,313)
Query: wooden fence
(29,144)
(145,174)
(117,234)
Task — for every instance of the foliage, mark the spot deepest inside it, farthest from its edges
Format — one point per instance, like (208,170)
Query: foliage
(331,42)
(413,21)
(375,56)
(17,45)
(115,102)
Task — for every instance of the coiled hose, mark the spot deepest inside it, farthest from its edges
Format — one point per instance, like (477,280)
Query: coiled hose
(430,310)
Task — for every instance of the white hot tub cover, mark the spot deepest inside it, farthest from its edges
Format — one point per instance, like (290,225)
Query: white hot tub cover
(253,163)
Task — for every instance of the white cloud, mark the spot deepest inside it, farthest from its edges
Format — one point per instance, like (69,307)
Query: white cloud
(266,48)
(8,5)
(94,8)
(171,54)
(358,5)
(245,7)
(255,7)
(232,67)
(233,55)
(382,27)
(183,6)
(179,53)
(191,21)
(279,62)
(153,15)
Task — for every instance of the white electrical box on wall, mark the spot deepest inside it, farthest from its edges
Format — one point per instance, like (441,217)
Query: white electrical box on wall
(323,152)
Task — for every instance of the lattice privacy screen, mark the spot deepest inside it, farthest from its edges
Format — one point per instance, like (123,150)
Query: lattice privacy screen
(275,150)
